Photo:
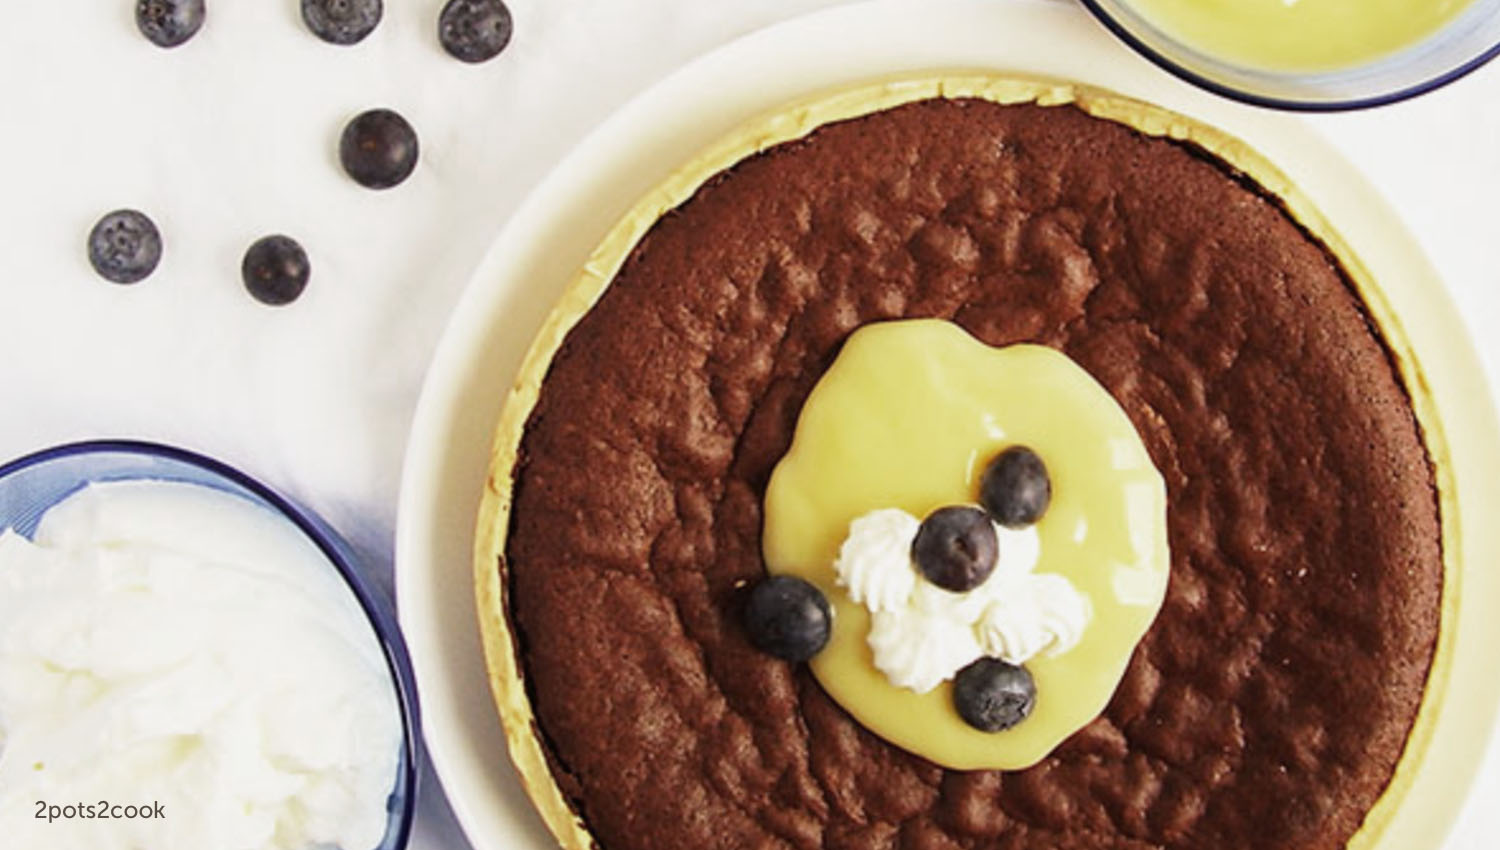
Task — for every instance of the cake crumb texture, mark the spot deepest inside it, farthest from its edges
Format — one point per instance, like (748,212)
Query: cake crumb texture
(1268,705)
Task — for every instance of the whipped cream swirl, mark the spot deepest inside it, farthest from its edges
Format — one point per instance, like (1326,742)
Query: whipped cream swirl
(922,635)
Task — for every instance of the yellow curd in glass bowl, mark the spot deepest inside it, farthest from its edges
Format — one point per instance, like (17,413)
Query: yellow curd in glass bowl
(1300,35)
(1309,55)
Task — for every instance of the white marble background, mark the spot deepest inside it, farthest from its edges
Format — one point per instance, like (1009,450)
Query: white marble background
(232,136)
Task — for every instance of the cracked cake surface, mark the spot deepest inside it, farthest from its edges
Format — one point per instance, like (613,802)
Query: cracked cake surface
(1270,702)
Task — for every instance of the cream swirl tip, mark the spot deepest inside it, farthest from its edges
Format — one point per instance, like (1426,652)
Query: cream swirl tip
(921,635)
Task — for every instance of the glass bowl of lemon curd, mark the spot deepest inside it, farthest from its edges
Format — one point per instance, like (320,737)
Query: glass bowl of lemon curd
(1311,55)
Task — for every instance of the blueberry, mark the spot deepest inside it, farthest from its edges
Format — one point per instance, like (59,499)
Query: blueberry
(474,30)
(341,21)
(1015,488)
(788,618)
(168,23)
(378,149)
(125,246)
(993,696)
(956,547)
(275,270)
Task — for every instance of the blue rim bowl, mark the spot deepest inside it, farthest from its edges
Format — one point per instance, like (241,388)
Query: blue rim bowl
(1459,48)
(32,484)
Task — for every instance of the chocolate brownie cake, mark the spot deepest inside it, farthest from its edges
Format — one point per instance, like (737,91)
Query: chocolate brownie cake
(1271,701)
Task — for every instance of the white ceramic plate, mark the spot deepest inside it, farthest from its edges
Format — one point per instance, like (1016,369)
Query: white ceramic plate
(553,232)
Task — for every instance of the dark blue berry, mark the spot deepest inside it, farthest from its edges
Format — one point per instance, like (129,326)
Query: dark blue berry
(993,696)
(474,30)
(275,270)
(378,149)
(342,21)
(956,547)
(168,23)
(125,246)
(1015,488)
(788,618)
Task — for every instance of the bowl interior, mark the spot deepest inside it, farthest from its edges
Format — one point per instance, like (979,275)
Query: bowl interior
(1463,44)
(31,485)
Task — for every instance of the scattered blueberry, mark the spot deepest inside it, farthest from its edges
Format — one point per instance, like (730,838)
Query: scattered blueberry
(168,23)
(788,618)
(342,21)
(956,547)
(993,696)
(125,246)
(474,30)
(275,270)
(1015,488)
(378,149)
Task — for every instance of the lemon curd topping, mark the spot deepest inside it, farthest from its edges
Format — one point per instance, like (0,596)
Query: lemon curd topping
(907,417)
(1300,35)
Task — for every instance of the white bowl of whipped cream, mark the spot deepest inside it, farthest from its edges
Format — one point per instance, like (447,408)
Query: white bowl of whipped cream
(189,661)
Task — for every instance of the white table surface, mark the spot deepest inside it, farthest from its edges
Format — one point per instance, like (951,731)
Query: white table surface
(230,137)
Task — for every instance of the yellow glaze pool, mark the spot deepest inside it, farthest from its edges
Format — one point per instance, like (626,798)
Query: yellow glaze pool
(907,417)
